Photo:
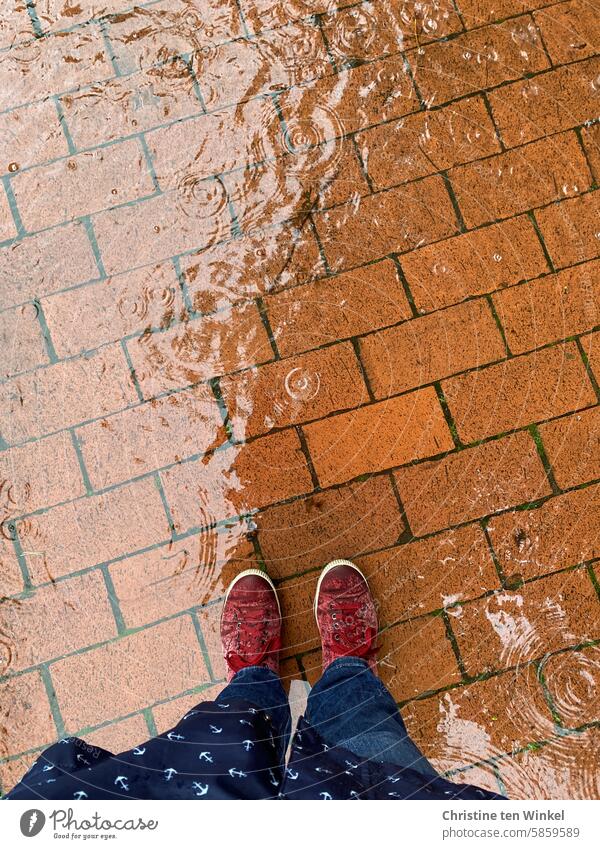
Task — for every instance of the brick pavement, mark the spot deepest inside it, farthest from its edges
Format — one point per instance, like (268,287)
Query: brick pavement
(287,281)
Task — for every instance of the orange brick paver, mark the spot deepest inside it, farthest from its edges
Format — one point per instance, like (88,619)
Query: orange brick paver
(281,283)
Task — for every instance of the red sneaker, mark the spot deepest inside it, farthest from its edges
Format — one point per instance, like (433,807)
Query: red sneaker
(346,614)
(251,623)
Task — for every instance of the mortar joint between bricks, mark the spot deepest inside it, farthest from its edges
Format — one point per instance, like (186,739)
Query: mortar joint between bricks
(539,668)
(537,438)
(453,642)
(492,306)
(260,304)
(588,368)
(308,458)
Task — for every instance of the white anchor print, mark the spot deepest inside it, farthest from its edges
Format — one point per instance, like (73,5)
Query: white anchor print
(201,789)
(191,713)
(322,769)
(252,710)
(82,760)
(291,773)
(325,795)
(47,767)
(139,750)
(247,744)
(395,795)
(205,756)
(354,794)
(233,772)
(393,779)
(351,765)
(169,773)
(64,740)
(81,794)
(221,705)
(325,747)
(245,722)
(121,780)
(173,736)
(274,780)
(214,729)
(51,781)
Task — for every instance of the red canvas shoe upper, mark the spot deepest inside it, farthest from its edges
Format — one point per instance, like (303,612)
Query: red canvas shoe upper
(251,623)
(346,614)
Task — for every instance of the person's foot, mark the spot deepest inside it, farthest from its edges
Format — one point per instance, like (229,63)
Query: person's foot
(346,614)
(251,623)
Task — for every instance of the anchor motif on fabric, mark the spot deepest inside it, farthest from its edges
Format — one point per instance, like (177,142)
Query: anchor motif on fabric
(82,760)
(351,765)
(47,767)
(214,729)
(395,795)
(245,722)
(221,705)
(205,756)
(274,780)
(233,772)
(173,736)
(191,713)
(81,794)
(291,773)
(325,795)
(354,794)
(121,780)
(247,744)
(169,773)
(201,789)
(139,750)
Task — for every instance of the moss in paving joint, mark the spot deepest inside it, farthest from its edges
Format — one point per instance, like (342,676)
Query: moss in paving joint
(594,579)
(149,720)
(536,436)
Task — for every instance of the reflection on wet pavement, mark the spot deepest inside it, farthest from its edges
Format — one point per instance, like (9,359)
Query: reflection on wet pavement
(283,282)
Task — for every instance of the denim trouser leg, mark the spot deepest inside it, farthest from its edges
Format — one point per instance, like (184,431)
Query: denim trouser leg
(263,689)
(349,706)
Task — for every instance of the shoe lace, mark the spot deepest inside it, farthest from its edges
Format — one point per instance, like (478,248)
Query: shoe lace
(349,629)
(253,644)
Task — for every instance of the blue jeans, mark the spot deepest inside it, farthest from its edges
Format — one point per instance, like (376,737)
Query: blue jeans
(349,706)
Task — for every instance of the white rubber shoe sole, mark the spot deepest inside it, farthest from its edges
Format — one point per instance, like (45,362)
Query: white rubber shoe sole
(326,569)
